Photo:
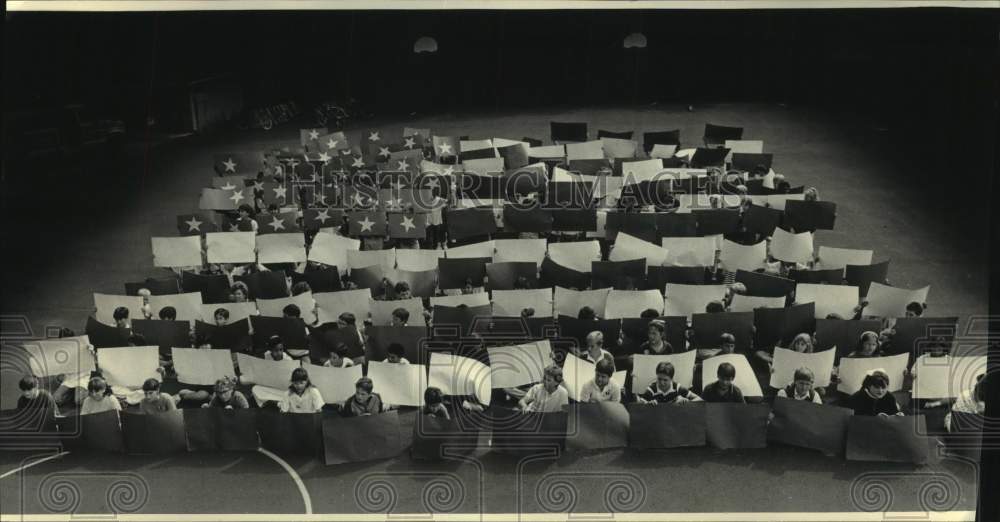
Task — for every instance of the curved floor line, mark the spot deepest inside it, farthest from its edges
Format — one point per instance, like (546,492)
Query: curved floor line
(35,463)
(306,499)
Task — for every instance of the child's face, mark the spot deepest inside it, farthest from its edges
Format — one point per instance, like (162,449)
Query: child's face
(910,313)
(654,335)
(96,395)
(121,323)
(299,386)
(664,381)
(601,380)
(550,383)
(150,394)
(226,395)
(868,347)
(393,358)
(396,321)
(362,395)
(220,320)
(335,359)
(405,294)
(277,351)
(725,383)
(803,386)
(728,347)
(595,342)
(877,390)
(800,345)
(240,295)
(30,394)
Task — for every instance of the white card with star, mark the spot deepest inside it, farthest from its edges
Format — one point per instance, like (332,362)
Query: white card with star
(281,248)
(170,252)
(231,247)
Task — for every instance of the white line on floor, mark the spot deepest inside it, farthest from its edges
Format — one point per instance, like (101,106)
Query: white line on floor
(295,476)
(35,463)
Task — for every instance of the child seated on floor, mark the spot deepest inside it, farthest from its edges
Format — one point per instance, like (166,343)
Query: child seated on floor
(868,346)
(664,390)
(724,389)
(727,345)
(276,350)
(971,401)
(656,343)
(34,398)
(400,317)
(874,398)
(338,357)
(364,401)
(154,401)
(226,396)
(395,354)
(99,398)
(221,317)
(547,396)
(801,387)
(434,404)
(601,388)
(302,396)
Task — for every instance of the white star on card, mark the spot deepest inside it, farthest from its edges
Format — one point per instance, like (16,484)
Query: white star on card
(277,224)
(432,182)
(402,165)
(280,192)
(332,144)
(230,165)
(410,143)
(445,148)
(407,223)
(193,224)
(323,215)
(314,134)
(358,163)
(366,225)
(359,200)
(449,170)
(384,151)
(324,157)
(399,185)
(374,136)
(237,196)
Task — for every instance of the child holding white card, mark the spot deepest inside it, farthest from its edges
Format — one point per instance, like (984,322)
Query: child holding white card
(302,396)
(601,388)
(364,401)
(723,389)
(801,388)
(664,390)
(547,396)
(874,398)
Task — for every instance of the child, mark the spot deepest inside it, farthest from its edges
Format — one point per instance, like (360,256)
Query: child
(801,343)
(723,390)
(99,398)
(874,398)
(601,387)
(868,346)
(971,401)
(587,314)
(34,398)
(239,292)
(395,354)
(400,317)
(226,396)
(146,309)
(221,316)
(656,345)
(364,401)
(302,396)
(915,309)
(664,390)
(595,349)
(120,316)
(402,290)
(168,313)
(801,388)
(275,350)
(727,345)
(338,357)
(547,396)
(434,404)
(154,401)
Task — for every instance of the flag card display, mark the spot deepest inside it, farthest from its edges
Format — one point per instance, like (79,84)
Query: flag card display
(631,303)
(653,426)
(366,223)
(644,369)
(518,365)
(734,256)
(887,439)
(336,385)
(853,370)
(831,258)
(746,380)
(231,247)
(947,376)
(810,215)
(687,300)
(195,224)
(829,299)
(129,366)
(731,425)
(888,301)
(793,248)
(862,276)
(397,384)
(202,367)
(808,425)
(457,375)
(221,199)
(569,302)
(600,425)
(787,361)
(172,252)
(412,225)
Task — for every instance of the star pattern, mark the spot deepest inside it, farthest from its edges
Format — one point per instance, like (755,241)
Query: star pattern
(384,151)
(367,225)
(445,149)
(402,164)
(432,182)
(399,185)
(277,224)
(313,134)
(449,170)
(358,162)
(332,143)
(410,142)
(228,186)
(230,165)
(193,224)
(359,200)
(374,136)
(237,197)
(407,224)
(280,192)
(323,215)
(324,157)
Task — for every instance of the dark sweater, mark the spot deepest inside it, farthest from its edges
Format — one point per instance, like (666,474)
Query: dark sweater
(864,404)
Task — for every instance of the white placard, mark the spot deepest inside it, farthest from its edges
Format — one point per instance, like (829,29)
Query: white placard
(382,310)
(888,301)
(576,255)
(624,304)
(202,367)
(520,250)
(329,305)
(274,307)
(745,380)
(852,371)
(946,377)
(792,248)
(691,251)
(830,257)
(68,355)
(644,369)
(231,247)
(366,258)
(129,366)
(457,375)
(273,374)
(331,249)
(691,299)
(735,256)
(829,299)
(514,366)
(569,302)
(476,250)
(418,260)
(748,303)
(237,311)
(787,361)
(170,252)
(188,305)
(628,247)
(336,385)
(106,305)
(281,248)
(509,303)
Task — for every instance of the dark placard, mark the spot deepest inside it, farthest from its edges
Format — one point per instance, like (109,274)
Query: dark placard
(266,285)
(553,274)
(154,433)
(676,225)
(833,276)
(292,331)
(233,337)
(458,321)
(289,433)
(920,335)
(655,426)
(98,432)
(574,219)
(708,328)
(104,336)
(380,337)
(573,330)
(620,275)
(717,221)
(803,216)
(600,425)
(761,220)
(470,222)
(568,131)
(765,285)
(527,218)
(212,429)
(361,439)
(730,426)
(526,432)
(809,425)
(842,334)
(454,273)
(165,334)
(214,288)
(862,276)
(887,439)
(780,325)
(657,277)
(437,439)
(320,280)
(503,276)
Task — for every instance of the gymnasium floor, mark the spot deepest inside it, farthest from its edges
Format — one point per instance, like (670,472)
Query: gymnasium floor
(931,237)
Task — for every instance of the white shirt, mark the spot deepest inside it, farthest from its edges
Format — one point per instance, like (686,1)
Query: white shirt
(816,399)
(612,392)
(309,402)
(542,401)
